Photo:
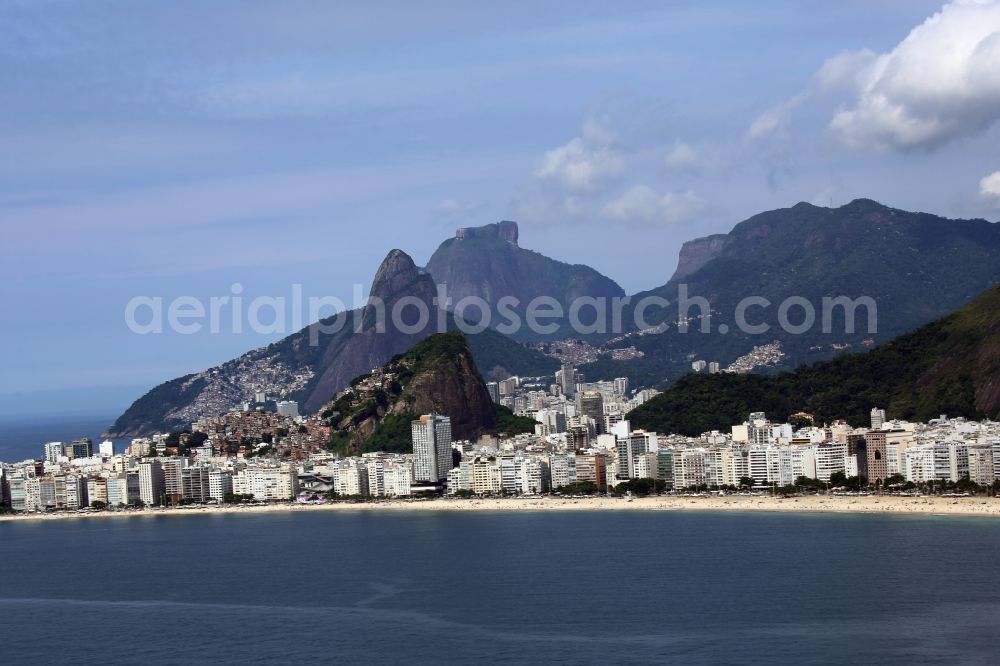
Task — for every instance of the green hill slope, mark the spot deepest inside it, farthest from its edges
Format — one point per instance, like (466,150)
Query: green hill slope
(950,366)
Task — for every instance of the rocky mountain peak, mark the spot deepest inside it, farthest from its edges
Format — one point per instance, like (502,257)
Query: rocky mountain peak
(504,230)
(396,272)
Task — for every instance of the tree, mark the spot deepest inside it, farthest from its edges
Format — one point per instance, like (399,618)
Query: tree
(808,482)
(746,482)
(893,480)
(99,505)
(578,488)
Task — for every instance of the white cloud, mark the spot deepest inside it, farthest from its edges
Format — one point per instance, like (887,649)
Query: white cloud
(774,118)
(989,186)
(642,204)
(585,164)
(845,70)
(940,83)
(684,158)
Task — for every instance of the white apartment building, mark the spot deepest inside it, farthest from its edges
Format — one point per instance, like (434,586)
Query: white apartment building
(151,481)
(220,484)
(398,478)
(562,469)
(829,458)
(268,483)
(928,462)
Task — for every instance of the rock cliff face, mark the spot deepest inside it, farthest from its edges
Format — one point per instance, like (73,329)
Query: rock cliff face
(487,263)
(380,337)
(312,365)
(504,230)
(698,252)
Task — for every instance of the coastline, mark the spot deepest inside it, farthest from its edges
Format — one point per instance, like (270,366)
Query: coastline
(872,504)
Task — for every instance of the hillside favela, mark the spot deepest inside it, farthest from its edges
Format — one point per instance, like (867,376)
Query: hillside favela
(351,333)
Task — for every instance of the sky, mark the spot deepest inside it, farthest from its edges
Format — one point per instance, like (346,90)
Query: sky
(176,149)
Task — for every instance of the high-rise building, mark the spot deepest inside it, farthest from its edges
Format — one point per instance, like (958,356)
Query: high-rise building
(698,365)
(980,465)
(53,451)
(566,378)
(878,418)
(196,483)
(591,403)
(220,484)
(173,478)
(493,389)
(562,469)
(876,458)
(630,448)
(550,422)
(151,482)
(288,408)
(97,490)
(106,449)
(592,467)
(80,448)
(621,386)
(431,435)
(577,437)
(76,493)
(713,367)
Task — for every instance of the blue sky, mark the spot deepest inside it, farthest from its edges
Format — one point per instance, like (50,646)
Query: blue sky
(177,148)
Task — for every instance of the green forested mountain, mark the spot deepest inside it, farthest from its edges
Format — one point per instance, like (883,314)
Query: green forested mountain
(915,266)
(950,366)
(436,375)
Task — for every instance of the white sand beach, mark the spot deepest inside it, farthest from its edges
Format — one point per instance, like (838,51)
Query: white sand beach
(961,506)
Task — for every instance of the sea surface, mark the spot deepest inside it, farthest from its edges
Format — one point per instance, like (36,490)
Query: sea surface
(559,588)
(25,438)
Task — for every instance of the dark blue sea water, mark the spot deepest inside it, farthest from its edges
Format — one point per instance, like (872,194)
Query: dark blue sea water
(25,438)
(572,588)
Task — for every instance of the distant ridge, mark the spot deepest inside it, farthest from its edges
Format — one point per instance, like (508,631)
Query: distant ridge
(916,266)
(950,366)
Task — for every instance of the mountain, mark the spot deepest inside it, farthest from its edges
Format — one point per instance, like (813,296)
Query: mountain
(915,266)
(950,366)
(487,263)
(312,365)
(437,375)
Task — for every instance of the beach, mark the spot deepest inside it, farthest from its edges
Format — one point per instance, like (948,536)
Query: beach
(872,504)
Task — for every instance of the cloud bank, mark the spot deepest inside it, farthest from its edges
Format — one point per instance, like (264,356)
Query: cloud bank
(940,83)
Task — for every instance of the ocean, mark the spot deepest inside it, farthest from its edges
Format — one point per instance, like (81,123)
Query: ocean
(24,438)
(548,587)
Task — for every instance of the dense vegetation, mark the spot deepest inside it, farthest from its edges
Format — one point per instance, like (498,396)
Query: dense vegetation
(498,357)
(393,434)
(450,384)
(147,413)
(510,424)
(949,367)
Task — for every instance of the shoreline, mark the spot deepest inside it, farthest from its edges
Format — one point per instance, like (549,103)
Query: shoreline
(872,504)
